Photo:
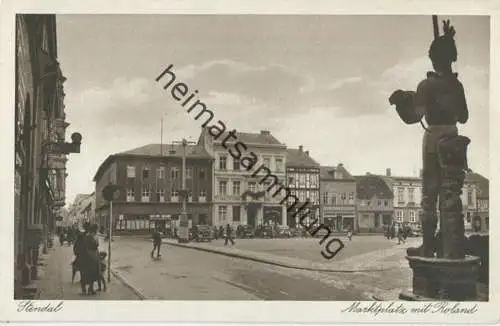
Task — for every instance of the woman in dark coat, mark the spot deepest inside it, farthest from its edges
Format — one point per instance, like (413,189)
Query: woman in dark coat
(91,261)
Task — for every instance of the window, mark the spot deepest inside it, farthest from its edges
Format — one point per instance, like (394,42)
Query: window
(189,173)
(130,194)
(175,173)
(174,194)
(222,187)
(334,199)
(189,196)
(386,203)
(203,193)
(325,198)
(412,217)
(160,195)
(291,182)
(368,203)
(401,194)
(379,203)
(130,171)
(146,194)
(470,200)
(399,216)
(236,213)
(202,174)
(279,164)
(351,198)
(468,217)
(160,172)
(302,180)
(343,197)
(145,173)
(222,213)
(222,162)
(236,165)
(267,162)
(251,186)
(411,195)
(236,187)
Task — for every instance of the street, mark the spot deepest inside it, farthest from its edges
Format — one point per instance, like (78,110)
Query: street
(187,274)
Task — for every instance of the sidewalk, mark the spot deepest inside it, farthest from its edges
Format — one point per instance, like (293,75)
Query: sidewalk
(369,262)
(55,280)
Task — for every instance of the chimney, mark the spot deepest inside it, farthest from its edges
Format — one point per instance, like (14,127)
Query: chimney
(367,173)
(265,132)
(301,148)
(307,153)
(421,173)
(388,172)
(341,165)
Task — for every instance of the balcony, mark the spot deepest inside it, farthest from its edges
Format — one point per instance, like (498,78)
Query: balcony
(174,199)
(226,197)
(202,199)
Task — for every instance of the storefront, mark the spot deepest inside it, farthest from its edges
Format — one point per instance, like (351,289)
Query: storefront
(273,215)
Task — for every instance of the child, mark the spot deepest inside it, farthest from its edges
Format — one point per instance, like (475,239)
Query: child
(102,271)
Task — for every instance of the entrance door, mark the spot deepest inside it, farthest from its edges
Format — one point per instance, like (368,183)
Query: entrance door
(338,223)
(252,210)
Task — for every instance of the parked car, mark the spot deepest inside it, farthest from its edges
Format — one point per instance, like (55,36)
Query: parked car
(283,232)
(245,232)
(202,233)
(265,231)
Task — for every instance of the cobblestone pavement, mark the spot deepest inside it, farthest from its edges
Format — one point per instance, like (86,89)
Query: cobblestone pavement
(55,282)
(310,249)
(187,274)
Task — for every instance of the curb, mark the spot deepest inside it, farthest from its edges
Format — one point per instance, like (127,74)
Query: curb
(129,285)
(275,263)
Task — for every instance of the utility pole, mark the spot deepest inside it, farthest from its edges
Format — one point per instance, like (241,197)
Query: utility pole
(183,221)
(110,192)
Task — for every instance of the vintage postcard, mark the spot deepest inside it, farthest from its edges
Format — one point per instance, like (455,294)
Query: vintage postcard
(249,162)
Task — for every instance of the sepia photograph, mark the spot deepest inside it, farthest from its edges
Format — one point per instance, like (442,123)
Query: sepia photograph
(233,157)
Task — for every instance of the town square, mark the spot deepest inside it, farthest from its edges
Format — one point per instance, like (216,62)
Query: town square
(170,157)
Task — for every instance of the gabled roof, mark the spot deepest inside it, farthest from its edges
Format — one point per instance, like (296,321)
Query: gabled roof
(327,173)
(368,186)
(262,138)
(299,158)
(483,184)
(167,150)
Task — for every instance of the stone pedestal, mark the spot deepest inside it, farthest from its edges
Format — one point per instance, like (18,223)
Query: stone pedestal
(443,279)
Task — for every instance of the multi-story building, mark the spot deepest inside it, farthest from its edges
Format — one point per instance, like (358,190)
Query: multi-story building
(302,175)
(240,197)
(76,210)
(150,179)
(480,220)
(408,195)
(374,203)
(40,159)
(338,198)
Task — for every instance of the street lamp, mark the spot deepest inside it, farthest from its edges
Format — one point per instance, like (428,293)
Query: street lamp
(183,236)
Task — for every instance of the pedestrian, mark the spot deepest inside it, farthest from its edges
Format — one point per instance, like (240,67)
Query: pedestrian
(77,251)
(216,233)
(349,233)
(101,283)
(228,235)
(156,243)
(90,261)
(401,237)
(221,232)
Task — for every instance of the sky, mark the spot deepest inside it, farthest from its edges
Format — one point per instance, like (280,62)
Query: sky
(318,81)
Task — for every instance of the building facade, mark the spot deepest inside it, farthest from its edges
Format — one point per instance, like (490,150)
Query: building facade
(302,175)
(374,201)
(480,219)
(338,198)
(407,193)
(240,196)
(150,182)
(39,174)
